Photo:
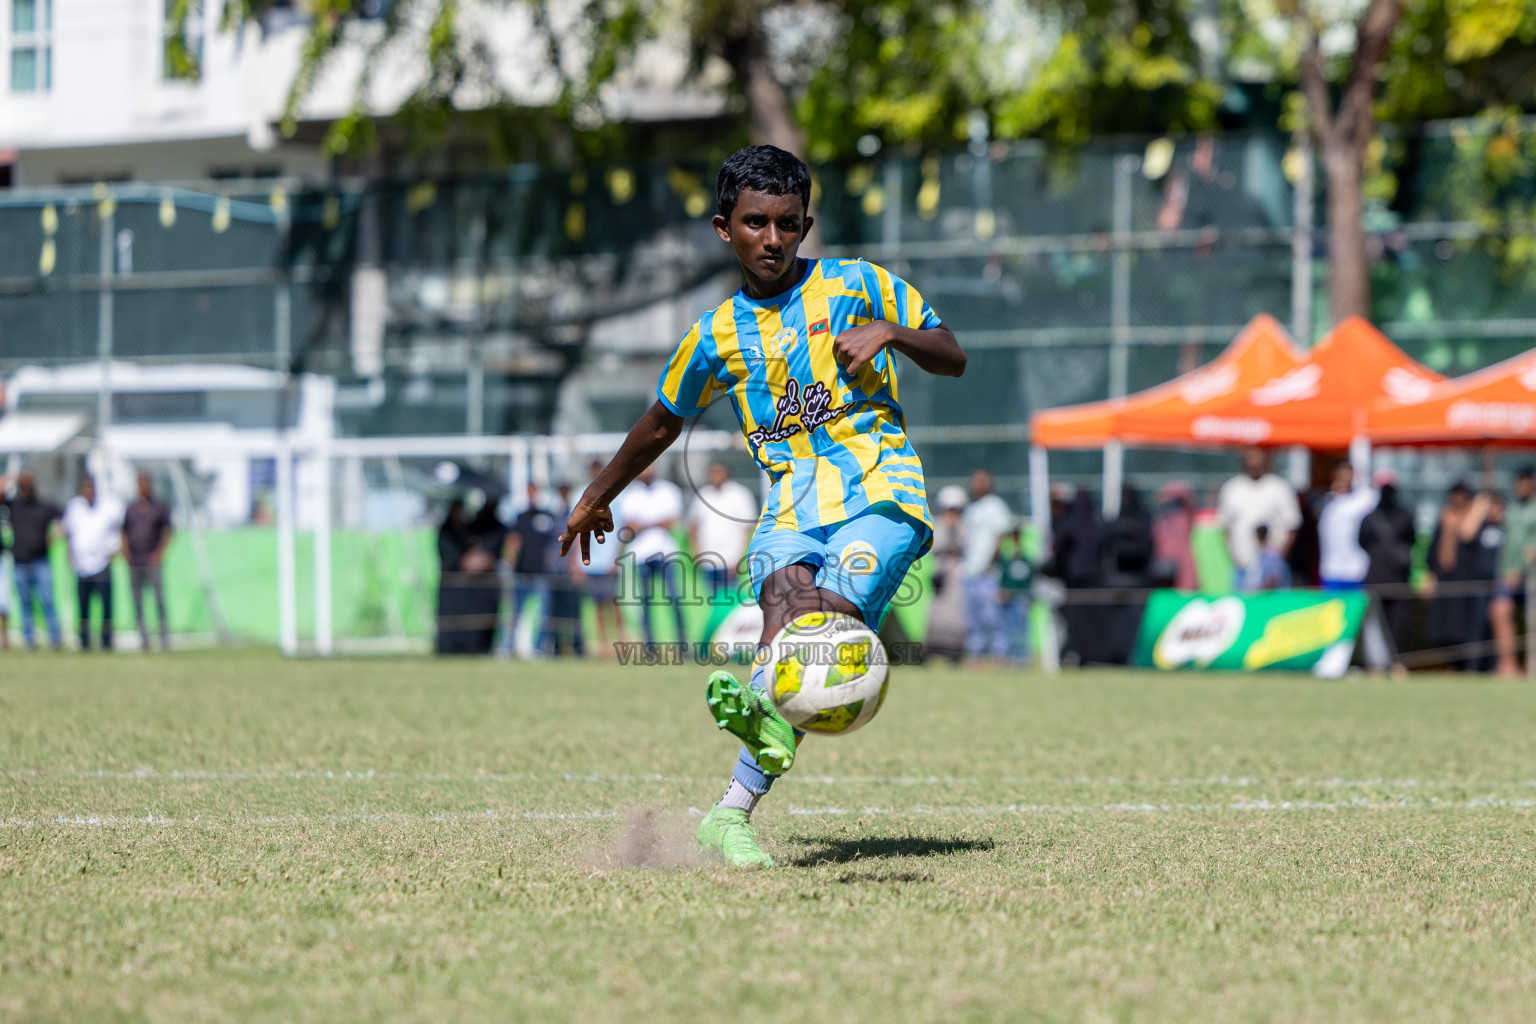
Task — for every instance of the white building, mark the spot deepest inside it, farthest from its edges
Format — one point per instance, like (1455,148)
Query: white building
(87,93)
(224,421)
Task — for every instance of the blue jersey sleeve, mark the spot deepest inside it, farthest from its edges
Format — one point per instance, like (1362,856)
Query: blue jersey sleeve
(894,300)
(688,383)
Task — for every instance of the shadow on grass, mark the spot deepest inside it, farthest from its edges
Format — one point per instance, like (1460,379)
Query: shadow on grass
(845,851)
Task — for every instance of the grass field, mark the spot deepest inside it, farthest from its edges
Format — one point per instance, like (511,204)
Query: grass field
(235,837)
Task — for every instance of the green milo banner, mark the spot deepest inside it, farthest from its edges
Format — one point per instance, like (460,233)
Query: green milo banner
(1286,629)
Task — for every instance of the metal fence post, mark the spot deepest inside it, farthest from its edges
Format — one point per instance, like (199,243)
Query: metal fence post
(106,222)
(1119,321)
(324,633)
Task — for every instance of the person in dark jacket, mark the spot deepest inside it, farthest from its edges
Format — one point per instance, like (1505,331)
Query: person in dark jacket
(1387,536)
(34,524)
(455,602)
(1128,551)
(1079,562)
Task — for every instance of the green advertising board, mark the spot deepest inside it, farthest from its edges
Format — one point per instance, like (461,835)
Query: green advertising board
(1283,629)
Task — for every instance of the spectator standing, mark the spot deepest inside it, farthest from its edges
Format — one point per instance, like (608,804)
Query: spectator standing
(1016,580)
(720,524)
(651,508)
(987,519)
(1267,571)
(146,534)
(33,524)
(1128,569)
(5,594)
(1516,560)
(1173,558)
(1457,610)
(1342,562)
(531,550)
(602,579)
(93,524)
(567,584)
(1254,498)
(946,613)
(1387,537)
(453,599)
(1079,563)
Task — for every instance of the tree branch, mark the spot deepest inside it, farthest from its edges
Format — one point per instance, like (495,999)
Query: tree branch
(1315,87)
(1373,34)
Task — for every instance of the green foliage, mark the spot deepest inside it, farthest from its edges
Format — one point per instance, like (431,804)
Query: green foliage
(181,58)
(1491,182)
(1458,58)
(903,70)
(1117,67)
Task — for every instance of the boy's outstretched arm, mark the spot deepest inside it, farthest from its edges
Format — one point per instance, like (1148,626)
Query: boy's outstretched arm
(651,435)
(934,350)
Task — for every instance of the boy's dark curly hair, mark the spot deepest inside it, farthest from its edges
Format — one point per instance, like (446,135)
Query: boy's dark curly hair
(766,169)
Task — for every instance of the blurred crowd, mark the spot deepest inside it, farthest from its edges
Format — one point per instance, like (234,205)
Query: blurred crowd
(98,530)
(1449,596)
(505,587)
(1453,598)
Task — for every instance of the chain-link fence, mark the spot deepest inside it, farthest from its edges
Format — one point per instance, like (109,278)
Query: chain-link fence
(544,302)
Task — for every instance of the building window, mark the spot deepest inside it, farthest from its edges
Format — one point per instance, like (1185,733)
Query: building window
(31,45)
(183,41)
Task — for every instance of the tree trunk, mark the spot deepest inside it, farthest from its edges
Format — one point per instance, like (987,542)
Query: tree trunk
(772,118)
(769,111)
(1349,262)
(1342,135)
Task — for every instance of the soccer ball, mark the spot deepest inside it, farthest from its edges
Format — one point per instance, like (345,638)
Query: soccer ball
(827,673)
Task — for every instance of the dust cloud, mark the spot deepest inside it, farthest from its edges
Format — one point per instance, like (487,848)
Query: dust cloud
(652,837)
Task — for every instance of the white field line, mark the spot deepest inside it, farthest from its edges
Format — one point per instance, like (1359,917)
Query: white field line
(117,820)
(919,811)
(602,778)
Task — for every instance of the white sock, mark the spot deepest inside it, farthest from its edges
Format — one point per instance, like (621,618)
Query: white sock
(739,797)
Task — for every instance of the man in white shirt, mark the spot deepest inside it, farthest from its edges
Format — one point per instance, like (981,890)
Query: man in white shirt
(651,508)
(1257,498)
(987,518)
(1342,562)
(720,523)
(94,526)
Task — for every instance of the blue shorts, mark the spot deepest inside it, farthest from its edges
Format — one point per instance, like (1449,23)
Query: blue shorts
(863,560)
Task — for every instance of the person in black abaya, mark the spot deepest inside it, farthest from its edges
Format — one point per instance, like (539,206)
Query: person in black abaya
(1080,566)
(477,567)
(1128,550)
(1387,537)
(454,602)
(1459,560)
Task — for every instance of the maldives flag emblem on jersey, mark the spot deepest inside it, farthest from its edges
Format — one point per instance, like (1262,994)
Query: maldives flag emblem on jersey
(819,327)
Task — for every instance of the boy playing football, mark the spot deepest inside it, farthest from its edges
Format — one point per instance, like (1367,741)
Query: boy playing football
(802,350)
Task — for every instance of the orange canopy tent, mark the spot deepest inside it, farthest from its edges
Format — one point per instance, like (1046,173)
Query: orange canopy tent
(1258,392)
(1164,415)
(1494,405)
(1322,402)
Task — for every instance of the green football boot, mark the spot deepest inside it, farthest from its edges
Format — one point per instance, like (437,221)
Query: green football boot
(751,717)
(728,832)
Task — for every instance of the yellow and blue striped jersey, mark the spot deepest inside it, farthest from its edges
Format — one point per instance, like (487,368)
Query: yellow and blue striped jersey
(832,443)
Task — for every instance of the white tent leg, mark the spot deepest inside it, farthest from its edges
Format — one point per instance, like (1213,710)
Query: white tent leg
(1040,494)
(1114,478)
(1360,459)
(1040,512)
(1299,467)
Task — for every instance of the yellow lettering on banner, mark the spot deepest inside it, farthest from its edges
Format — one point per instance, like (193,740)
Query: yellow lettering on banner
(1296,633)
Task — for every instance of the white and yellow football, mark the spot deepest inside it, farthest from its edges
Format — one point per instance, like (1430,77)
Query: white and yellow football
(828,673)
